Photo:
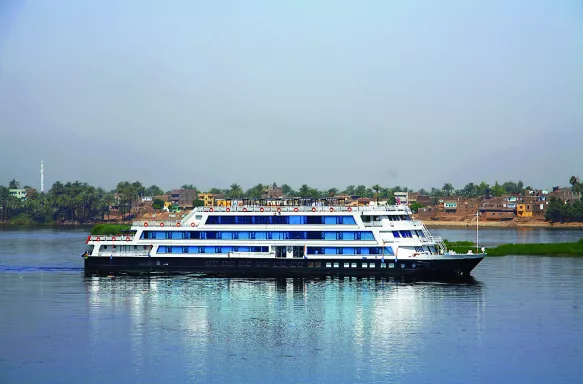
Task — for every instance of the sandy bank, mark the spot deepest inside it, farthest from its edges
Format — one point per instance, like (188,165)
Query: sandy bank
(500,224)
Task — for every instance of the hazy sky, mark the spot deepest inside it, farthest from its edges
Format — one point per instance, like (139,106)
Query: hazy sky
(327,93)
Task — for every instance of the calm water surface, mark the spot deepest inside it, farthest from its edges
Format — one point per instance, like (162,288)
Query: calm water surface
(521,320)
(497,236)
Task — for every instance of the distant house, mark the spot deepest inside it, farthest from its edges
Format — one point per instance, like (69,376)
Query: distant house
(18,193)
(272,192)
(402,197)
(208,199)
(565,194)
(183,197)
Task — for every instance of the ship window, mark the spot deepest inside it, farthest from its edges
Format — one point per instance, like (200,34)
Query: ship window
(383,265)
(391,265)
(353,265)
(318,265)
(346,265)
(336,265)
(372,265)
(329,265)
(367,236)
(413,265)
(402,265)
(364,265)
(310,265)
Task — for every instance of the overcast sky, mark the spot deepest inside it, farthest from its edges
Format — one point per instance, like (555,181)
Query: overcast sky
(328,93)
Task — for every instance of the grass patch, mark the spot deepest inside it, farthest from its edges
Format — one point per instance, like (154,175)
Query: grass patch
(459,243)
(109,229)
(537,249)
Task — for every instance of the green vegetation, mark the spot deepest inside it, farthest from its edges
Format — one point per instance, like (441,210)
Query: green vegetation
(109,229)
(70,202)
(158,204)
(559,211)
(415,207)
(82,203)
(555,249)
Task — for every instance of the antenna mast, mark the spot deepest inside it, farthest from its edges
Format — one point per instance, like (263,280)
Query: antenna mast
(42,176)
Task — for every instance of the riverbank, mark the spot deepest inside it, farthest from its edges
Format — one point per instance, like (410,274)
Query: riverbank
(499,224)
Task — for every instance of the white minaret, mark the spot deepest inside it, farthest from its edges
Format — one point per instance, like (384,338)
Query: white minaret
(42,176)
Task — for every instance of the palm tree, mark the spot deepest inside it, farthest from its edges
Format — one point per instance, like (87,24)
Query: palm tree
(376,188)
(304,191)
(349,190)
(447,189)
(235,191)
(255,192)
(13,184)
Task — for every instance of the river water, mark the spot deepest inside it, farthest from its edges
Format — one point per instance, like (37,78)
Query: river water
(520,320)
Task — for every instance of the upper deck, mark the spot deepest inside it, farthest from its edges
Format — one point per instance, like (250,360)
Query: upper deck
(261,213)
(304,208)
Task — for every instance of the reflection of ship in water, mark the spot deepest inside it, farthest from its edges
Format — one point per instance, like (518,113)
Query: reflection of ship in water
(213,321)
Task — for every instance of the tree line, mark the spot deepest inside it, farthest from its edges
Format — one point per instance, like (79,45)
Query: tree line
(72,201)
(564,212)
(81,202)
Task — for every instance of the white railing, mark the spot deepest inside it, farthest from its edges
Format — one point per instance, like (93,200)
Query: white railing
(116,238)
(432,239)
(117,254)
(291,208)
(157,223)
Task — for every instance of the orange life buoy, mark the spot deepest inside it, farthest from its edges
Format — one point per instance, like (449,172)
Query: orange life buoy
(228,209)
(146,224)
(178,224)
(127,238)
(161,224)
(313,209)
(261,209)
(98,238)
(244,209)
(278,209)
(349,209)
(113,238)
(295,209)
(192,225)
(211,210)
(331,209)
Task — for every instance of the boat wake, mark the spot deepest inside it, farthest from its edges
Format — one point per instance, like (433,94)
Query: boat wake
(27,268)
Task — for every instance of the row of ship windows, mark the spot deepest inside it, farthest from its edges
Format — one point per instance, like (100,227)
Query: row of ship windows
(300,264)
(280,219)
(364,265)
(256,249)
(349,251)
(257,235)
(367,219)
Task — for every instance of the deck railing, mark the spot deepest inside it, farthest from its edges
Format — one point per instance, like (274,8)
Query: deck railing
(292,208)
(158,223)
(116,238)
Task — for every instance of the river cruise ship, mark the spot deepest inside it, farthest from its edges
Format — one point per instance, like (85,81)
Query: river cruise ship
(281,240)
